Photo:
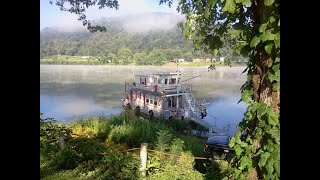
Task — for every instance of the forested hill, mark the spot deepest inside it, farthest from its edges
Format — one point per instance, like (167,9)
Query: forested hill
(129,39)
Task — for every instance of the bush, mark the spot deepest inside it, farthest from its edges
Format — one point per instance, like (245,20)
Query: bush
(137,111)
(66,159)
(86,148)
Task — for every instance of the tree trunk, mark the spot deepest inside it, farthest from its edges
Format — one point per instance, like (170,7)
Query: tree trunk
(262,87)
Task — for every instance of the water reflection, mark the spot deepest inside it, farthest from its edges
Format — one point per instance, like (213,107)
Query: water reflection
(70,91)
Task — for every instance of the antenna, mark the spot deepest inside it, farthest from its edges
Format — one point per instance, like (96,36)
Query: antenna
(177,61)
(191,78)
(132,74)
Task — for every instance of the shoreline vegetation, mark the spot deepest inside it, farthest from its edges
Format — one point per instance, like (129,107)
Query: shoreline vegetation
(77,60)
(101,148)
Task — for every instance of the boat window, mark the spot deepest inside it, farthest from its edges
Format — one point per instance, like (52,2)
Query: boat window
(155,102)
(172,81)
(166,81)
(178,80)
(151,101)
(147,100)
(159,81)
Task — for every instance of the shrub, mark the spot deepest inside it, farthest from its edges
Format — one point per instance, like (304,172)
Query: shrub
(66,159)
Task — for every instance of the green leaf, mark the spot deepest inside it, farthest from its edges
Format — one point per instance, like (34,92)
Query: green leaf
(276,86)
(232,142)
(276,67)
(272,19)
(277,60)
(209,6)
(238,150)
(270,63)
(268,48)
(243,144)
(275,134)
(262,109)
(273,118)
(263,27)
(244,2)
(255,41)
(215,52)
(279,22)
(229,6)
(265,36)
(276,166)
(197,44)
(274,76)
(263,159)
(249,115)
(245,70)
(246,96)
(244,162)
(277,40)
(254,106)
(276,153)
(245,50)
(269,166)
(268,2)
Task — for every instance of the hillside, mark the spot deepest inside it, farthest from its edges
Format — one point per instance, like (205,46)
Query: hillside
(148,38)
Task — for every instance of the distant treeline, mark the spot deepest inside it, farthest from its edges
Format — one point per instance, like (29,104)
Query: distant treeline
(118,47)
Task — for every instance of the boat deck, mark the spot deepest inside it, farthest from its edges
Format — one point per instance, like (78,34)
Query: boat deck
(212,128)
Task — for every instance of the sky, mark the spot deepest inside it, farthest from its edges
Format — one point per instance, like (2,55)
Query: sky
(51,16)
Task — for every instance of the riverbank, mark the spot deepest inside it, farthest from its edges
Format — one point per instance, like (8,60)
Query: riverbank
(75,60)
(103,147)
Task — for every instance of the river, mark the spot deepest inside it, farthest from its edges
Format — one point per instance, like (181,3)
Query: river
(68,92)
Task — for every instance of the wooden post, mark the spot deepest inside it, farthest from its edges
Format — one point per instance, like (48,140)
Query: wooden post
(143,157)
(61,142)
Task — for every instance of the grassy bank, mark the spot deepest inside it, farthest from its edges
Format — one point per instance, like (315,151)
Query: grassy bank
(97,148)
(77,60)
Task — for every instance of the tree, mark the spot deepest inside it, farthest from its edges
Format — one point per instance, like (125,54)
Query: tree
(156,57)
(251,27)
(112,57)
(140,58)
(187,56)
(125,55)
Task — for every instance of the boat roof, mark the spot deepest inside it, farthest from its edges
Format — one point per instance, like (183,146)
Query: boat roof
(160,74)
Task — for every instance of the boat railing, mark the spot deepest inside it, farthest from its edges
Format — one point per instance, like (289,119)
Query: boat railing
(186,88)
(159,87)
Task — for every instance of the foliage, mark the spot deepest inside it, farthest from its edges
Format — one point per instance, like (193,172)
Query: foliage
(137,111)
(177,146)
(66,159)
(182,168)
(86,156)
(116,165)
(163,140)
(251,28)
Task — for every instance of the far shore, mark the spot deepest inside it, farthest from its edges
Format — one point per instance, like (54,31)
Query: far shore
(170,64)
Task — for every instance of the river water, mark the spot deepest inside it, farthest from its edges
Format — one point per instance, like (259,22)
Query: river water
(68,92)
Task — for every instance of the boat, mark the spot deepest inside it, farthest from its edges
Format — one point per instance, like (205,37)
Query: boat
(162,95)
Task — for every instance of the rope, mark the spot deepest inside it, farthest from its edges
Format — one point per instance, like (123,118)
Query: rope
(200,158)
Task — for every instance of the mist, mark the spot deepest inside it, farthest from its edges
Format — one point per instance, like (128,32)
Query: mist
(146,22)
(131,23)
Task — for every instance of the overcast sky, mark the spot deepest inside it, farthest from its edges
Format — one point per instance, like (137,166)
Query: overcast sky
(51,16)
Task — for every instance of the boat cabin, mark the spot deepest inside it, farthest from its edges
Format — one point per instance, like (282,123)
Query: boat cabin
(160,95)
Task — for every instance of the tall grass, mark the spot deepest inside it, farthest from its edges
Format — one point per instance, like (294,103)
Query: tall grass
(127,128)
(97,151)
